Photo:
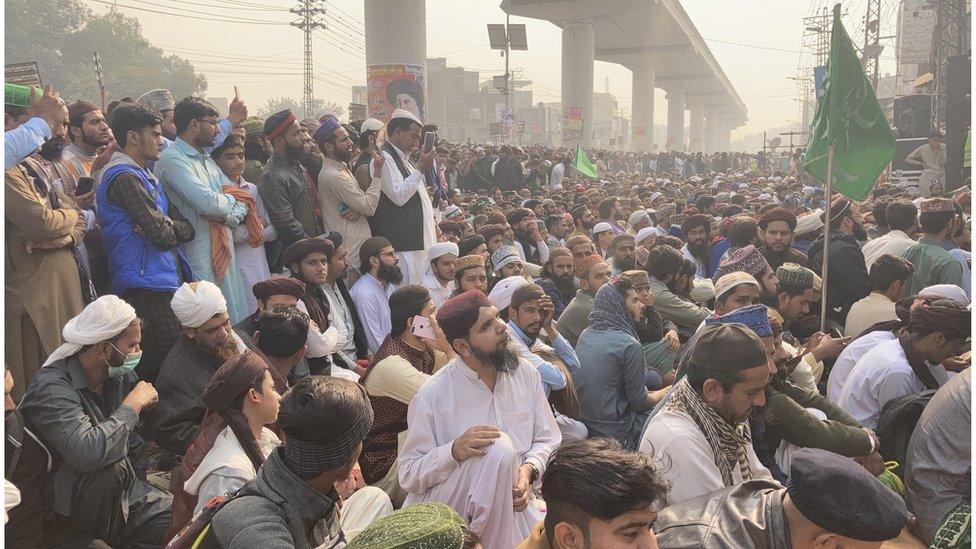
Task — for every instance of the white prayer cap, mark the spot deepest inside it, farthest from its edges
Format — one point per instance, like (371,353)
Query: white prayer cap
(441,249)
(404,113)
(193,308)
(371,125)
(809,222)
(946,291)
(646,233)
(103,319)
(655,196)
(601,227)
(703,290)
(501,294)
(451,211)
(765,196)
(637,216)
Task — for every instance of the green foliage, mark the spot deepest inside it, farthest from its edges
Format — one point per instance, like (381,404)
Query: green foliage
(319,107)
(62,35)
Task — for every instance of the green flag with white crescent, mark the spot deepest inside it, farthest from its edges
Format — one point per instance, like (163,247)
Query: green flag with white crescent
(849,119)
(583,164)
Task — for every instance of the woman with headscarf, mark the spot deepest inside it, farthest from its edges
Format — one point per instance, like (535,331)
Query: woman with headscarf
(241,399)
(611,382)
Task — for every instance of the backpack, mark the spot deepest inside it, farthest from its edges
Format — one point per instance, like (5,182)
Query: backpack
(896,425)
(197,534)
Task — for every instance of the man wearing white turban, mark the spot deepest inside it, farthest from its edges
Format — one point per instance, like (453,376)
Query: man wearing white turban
(439,278)
(208,340)
(84,405)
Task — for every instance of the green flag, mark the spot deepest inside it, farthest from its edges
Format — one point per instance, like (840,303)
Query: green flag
(849,119)
(583,164)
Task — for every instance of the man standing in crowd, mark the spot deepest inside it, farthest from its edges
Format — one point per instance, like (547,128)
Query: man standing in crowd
(405,214)
(143,233)
(931,157)
(846,276)
(194,183)
(42,279)
(933,264)
(702,435)
(289,193)
(439,277)
(89,132)
(371,293)
(345,206)
(481,431)
(85,405)
(776,228)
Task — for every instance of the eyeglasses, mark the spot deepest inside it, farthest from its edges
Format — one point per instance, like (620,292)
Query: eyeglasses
(388,254)
(211,122)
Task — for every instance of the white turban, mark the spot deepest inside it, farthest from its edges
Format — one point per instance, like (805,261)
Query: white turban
(646,233)
(501,294)
(194,308)
(637,216)
(103,319)
(946,291)
(442,249)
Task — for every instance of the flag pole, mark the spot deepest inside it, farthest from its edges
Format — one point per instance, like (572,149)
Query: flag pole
(826,241)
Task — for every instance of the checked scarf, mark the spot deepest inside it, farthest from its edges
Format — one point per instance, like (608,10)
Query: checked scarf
(728,442)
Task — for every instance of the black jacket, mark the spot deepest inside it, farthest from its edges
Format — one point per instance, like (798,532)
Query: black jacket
(847,275)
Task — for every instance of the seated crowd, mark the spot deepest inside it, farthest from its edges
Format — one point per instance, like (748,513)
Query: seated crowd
(301,333)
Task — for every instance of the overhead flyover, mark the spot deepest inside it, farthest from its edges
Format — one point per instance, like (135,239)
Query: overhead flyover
(658,42)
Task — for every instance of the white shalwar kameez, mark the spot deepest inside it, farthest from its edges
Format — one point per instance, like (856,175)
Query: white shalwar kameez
(480,489)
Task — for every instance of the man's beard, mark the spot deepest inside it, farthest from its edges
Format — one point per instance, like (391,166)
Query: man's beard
(295,153)
(588,225)
(769,300)
(220,352)
(390,274)
(343,156)
(698,249)
(52,149)
(503,359)
(91,141)
(859,232)
(565,284)
(625,263)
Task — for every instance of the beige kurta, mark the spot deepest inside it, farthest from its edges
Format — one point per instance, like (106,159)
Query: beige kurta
(338,185)
(42,289)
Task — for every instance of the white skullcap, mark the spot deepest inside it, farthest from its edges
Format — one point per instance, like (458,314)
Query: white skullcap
(501,295)
(103,319)
(451,210)
(809,222)
(702,290)
(601,227)
(655,196)
(371,125)
(442,249)
(404,113)
(637,216)
(727,282)
(946,291)
(646,233)
(194,308)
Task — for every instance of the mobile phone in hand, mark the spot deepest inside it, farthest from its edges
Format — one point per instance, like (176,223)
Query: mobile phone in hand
(84,186)
(430,139)
(421,327)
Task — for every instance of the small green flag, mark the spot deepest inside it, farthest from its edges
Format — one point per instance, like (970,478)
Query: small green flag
(967,151)
(583,164)
(849,118)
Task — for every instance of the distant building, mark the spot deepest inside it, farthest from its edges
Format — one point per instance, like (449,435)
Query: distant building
(358,95)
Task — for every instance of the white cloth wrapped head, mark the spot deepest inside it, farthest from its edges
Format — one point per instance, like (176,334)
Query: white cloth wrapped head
(501,295)
(195,303)
(946,291)
(103,319)
(441,249)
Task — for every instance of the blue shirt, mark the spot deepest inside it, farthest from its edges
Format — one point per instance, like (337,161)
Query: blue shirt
(22,141)
(552,376)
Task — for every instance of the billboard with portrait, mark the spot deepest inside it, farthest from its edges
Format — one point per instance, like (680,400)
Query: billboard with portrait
(391,87)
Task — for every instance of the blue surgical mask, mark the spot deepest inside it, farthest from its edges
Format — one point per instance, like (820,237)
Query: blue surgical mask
(128,365)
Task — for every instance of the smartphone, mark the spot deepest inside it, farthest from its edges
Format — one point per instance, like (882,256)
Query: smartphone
(85,185)
(420,326)
(430,139)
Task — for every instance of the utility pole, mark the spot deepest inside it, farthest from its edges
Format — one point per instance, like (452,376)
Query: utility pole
(308,11)
(506,38)
(872,41)
(952,28)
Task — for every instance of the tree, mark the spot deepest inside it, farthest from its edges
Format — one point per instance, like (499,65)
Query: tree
(319,107)
(62,35)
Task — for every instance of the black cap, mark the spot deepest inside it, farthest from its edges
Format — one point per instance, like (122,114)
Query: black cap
(840,496)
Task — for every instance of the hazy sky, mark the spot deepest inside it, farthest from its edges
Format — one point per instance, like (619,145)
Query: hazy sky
(756,42)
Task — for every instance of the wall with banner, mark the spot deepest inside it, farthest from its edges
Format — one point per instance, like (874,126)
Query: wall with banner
(572,124)
(397,86)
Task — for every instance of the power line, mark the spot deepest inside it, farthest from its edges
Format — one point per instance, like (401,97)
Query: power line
(308,11)
(185,16)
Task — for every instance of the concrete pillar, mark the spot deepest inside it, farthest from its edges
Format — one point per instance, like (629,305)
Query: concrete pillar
(676,120)
(711,131)
(390,43)
(642,110)
(724,136)
(577,83)
(696,141)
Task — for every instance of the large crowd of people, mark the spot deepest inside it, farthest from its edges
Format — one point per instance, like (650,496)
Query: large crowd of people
(246,332)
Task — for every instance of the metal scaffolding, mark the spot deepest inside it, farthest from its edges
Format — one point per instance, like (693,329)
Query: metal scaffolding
(308,11)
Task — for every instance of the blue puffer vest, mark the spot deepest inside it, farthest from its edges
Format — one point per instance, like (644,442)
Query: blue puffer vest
(133,260)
